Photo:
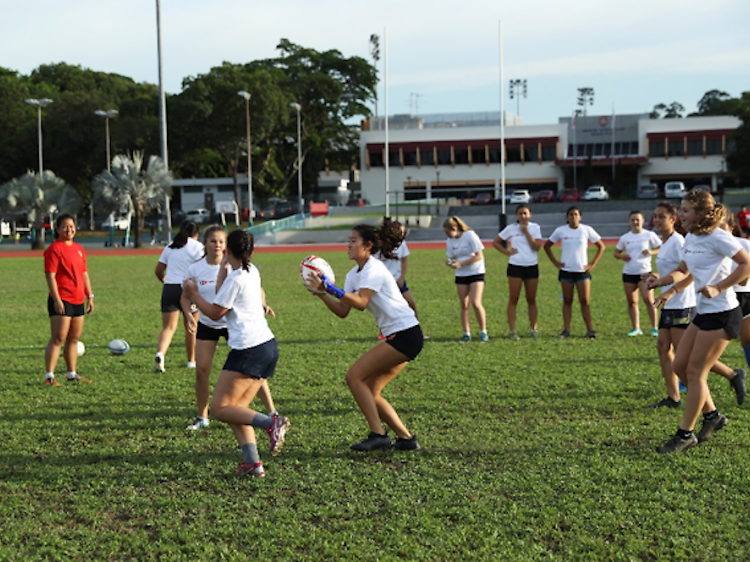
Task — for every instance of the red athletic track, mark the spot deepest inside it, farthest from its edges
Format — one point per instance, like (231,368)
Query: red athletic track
(279,249)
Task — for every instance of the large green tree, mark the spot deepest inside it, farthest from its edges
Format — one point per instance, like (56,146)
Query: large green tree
(738,159)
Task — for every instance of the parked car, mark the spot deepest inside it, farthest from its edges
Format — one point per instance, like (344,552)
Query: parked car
(648,191)
(520,196)
(483,199)
(596,193)
(703,187)
(198,216)
(544,196)
(119,223)
(568,195)
(674,190)
(357,202)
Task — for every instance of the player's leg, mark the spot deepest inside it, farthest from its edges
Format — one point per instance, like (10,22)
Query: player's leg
(631,298)
(648,300)
(463,300)
(476,291)
(514,293)
(190,340)
(59,326)
(530,287)
(70,351)
(567,309)
(584,299)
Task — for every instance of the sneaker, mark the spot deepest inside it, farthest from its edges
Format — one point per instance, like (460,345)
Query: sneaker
(483,337)
(250,469)
(466,337)
(677,444)
(635,332)
(78,378)
(535,334)
(564,334)
(373,441)
(51,382)
(190,365)
(739,384)
(159,364)
(711,426)
(277,432)
(590,334)
(655,332)
(683,388)
(513,336)
(410,444)
(199,423)
(666,403)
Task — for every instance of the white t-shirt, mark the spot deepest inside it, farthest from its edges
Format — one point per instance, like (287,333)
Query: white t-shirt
(387,304)
(709,258)
(745,243)
(633,245)
(178,260)
(667,260)
(516,239)
(574,243)
(463,248)
(205,276)
(394,266)
(246,319)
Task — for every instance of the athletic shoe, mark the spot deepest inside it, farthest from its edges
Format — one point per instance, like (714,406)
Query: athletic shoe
(564,334)
(683,388)
(199,423)
(535,334)
(513,336)
(655,332)
(739,384)
(711,426)
(465,338)
(677,444)
(483,337)
(373,441)
(159,364)
(410,444)
(666,403)
(381,337)
(277,432)
(590,334)
(78,379)
(51,382)
(635,332)
(190,365)
(250,469)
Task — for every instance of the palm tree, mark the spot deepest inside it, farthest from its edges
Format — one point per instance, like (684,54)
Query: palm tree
(32,197)
(129,186)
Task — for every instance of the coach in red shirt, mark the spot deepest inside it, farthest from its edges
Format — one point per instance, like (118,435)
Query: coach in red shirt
(743,220)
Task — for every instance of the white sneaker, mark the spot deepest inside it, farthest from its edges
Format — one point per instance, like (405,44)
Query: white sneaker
(199,423)
(191,364)
(159,364)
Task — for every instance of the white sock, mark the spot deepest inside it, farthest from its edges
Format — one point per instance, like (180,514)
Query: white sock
(160,354)
(72,374)
(50,375)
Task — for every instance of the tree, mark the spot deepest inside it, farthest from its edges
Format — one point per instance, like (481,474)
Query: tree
(671,111)
(129,186)
(32,197)
(713,102)
(738,159)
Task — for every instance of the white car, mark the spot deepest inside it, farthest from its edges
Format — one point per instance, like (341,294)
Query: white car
(674,190)
(520,196)
(596,193)
(198,216)
(118,223)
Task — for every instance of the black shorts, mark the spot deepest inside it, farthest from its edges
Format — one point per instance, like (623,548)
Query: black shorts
(630,278)
(469,279)
(744,299)
(409,341)
(573,277)
(206,333)
(523,271)
(730,321)
(258,362)
(675,318)
(72,310)
(170,297)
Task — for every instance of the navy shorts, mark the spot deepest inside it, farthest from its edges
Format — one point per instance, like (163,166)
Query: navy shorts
(675,318)
(573,277)
(258,362)
(469,279)
(523,271)
(206,333)
(730,321)
(630,278)
(409,341)
(72,310)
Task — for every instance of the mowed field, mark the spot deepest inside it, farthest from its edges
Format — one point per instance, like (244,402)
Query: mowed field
(532,450)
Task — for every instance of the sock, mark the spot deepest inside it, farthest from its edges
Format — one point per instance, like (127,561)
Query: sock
(746,348)
(710,415)
(72,374)
(49,375)
(160,354)
(250,452)
(684,433)
(273,414)
(262,421)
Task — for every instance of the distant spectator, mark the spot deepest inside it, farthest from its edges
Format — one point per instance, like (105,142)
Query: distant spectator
(743,220)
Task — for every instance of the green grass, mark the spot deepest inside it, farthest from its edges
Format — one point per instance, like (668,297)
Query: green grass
(532,450)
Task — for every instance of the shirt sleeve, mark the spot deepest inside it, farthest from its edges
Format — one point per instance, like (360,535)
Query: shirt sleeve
(536,231)
(655,240)
(164,257)
(51,260)
(726,244)
(505,233)
(593,235)
(555,235)
(372,277)
(228,293)
(475,245)
(621,243)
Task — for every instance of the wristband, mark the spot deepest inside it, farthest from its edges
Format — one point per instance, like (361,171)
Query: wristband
(332,289)
(91,296)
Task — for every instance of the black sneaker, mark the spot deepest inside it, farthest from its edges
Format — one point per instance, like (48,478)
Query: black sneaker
(410,444)
(591,334)
(373,441)
(739,384)
(666,403)
(711,426)
(677,444)
(563,335)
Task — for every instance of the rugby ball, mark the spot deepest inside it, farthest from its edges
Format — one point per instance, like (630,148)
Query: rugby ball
(118,347)
(317,265)
(81,348)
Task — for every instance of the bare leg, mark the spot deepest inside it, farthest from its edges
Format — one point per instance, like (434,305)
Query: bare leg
(584,294)
(232,396)
(631,297)
(169,322)
(475,295)
(567,291)
(59,327)
(463,299)
(70,351)
(648,299)
(666,357)
(190,340)
(514,293)
(531,285)
(205,350)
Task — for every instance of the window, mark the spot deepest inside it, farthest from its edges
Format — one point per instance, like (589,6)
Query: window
(444,157)
(427,156)
(478,156)
(461,155)
(414,191)
(656,149)
(376,159)
(394,159)
(494,155)
(549,153)
(676,147)
(530,153)
(695,147)
(410,157)
(513,154)
(713,146)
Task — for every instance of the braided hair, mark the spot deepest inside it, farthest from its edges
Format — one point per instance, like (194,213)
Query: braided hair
(241,244)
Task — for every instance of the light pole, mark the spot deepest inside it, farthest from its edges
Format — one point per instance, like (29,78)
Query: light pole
(247,97)
(375,52)
(106,115)
(518,90)
(585,97)
(39,104)
(167,220)
(298,107)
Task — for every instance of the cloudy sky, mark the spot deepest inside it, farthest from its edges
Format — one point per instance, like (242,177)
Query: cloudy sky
(634,54)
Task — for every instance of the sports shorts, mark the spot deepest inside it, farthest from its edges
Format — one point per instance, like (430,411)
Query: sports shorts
(409,341)
(72,310)
(258,362)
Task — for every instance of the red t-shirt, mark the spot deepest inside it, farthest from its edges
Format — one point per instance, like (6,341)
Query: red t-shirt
(743,219)
(68,263)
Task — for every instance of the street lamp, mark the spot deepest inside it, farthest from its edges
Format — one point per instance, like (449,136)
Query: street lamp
(247,97)
(106,115)
(298,107)
(39,104)
(518,90)
(585,97)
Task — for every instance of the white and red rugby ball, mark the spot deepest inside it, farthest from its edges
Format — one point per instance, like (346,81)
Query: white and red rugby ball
(315,264)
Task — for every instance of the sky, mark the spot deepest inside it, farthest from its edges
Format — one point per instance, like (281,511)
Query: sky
(442,57)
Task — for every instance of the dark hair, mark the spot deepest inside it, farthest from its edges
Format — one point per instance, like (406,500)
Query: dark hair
(61,219)
(384,239)
(571,209)
(734,228)
(671,208)
(241,245)
(523,206)
(187,230)
(636,212)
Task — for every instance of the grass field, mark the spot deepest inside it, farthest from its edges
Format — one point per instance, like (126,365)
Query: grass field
(532,450)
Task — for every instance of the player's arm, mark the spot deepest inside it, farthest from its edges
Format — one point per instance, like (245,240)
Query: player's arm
(404,268)
(51,277)
(497,243)
(548,250)
(620,255)
(89,292)
(267,309)
(190,291)
(459,264)
(160,271)
(599,252)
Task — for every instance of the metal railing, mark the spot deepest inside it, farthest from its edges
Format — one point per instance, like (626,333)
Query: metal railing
(294,222)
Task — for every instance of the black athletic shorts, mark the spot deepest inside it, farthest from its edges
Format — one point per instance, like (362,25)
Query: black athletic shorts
(730,321)
(409,341)
(744,299)
(523,271)
(469,279)
(405,288)
(630,278)
(171,293)
(573,277)
(206,333)
(71,310)
(258,362)
(675,318)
